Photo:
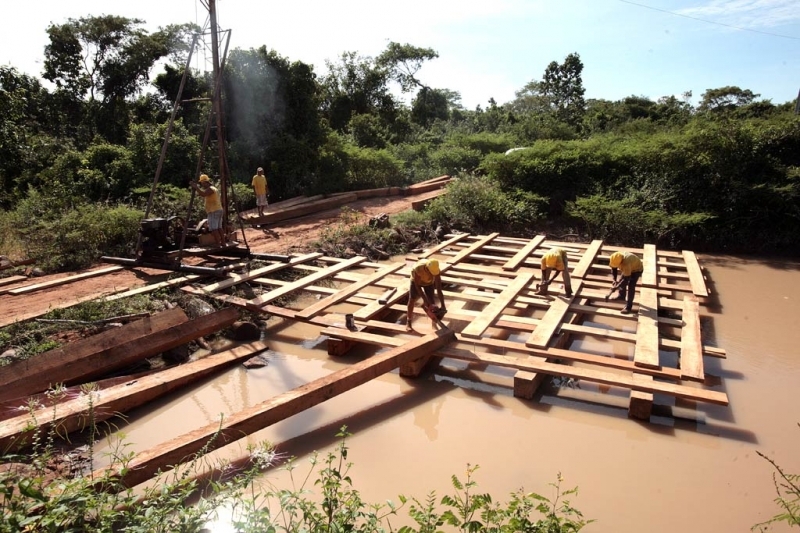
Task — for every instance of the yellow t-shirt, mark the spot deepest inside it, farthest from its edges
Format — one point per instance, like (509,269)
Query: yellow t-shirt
(260,184)
(554,259)
(420,273)
(630,263)
(212,201)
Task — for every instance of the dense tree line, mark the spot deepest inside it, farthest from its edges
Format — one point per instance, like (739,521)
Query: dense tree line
(721,174)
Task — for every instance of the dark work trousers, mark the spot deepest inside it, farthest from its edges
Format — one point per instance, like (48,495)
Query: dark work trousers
(628,288)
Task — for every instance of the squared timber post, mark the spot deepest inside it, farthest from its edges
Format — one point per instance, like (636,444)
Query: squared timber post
(526,384)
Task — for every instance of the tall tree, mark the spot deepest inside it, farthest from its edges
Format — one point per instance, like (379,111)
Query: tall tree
(726,98)
(107,59)
(563,86)
(403,62)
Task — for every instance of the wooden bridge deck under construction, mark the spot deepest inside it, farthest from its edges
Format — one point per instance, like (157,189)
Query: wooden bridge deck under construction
(499,321)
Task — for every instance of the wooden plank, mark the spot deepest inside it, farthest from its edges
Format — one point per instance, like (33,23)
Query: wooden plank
(585,264)
(249,420)
(535,364)
(105,358)
(649,278)
(419,204)
(691,357)
(12,279)
(5,265)
(305,281)
(463,254)
(443,245)
(304,209)
(513,362)
(63,281)
(74,414)
(241,278)
(490,313)
(552,319)
(345,293)
(646,351)
(28,376)
(641,403)
(522,255)
(152,287)
(695,274)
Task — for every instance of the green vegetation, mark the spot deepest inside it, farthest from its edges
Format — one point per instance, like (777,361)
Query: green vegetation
(719,175)
(787,497)
(44,494)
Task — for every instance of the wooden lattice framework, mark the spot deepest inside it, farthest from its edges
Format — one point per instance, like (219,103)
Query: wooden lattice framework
(490,289)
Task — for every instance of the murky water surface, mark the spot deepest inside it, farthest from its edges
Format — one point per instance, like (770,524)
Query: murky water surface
(694,468)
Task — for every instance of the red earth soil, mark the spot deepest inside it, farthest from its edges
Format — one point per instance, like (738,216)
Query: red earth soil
(286,237)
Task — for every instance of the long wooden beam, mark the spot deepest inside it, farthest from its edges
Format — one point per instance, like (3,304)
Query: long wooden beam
(646,351)
(241,278)
(538,365)
(499,303)
(345,293)
(691,358)
(443,245)
(695,274)
(471,249)
(552,319)
(29,376)
(307,280)
(152,287)
(522,255)
(63,281)
(650,263)
(74,414)
(585,264)
(247,421)
(108,358)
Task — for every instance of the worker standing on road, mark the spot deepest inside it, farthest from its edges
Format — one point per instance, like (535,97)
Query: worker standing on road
(261,189)
(555,260)
(425,276)
(632,268)
(213,207)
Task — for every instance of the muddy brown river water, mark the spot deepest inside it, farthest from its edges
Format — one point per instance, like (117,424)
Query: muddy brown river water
(693,468)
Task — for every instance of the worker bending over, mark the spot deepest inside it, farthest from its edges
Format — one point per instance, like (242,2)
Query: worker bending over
(556,261)
(631,268)
(424,277)
(213,207)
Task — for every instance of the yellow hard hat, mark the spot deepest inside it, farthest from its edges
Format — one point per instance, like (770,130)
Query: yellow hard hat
(433,267)
(203,177)
(616,259)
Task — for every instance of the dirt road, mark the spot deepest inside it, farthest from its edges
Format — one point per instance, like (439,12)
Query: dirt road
(290,236)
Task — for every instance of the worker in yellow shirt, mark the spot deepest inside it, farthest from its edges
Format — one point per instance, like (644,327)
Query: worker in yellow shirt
(631,268)
(261,190)
(425,276)
(213,206)
(556,261)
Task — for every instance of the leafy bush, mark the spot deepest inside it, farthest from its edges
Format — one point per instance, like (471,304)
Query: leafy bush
(625,221)
(368,168)
(62,238)
(479,204)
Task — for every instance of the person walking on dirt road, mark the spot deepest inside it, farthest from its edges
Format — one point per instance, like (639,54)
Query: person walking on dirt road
(214,210)
(555,260)
(425,276)
(261,189)
(632,268)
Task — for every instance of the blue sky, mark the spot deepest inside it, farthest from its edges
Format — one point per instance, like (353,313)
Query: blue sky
(489,48)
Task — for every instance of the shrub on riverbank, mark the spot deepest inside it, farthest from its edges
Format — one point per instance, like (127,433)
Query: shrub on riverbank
(42,494)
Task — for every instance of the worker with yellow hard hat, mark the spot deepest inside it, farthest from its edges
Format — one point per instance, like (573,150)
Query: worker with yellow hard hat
(631,268)
(555,260)
(425,276)
(214,212)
